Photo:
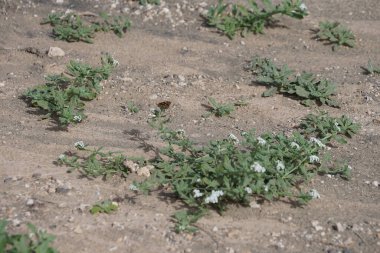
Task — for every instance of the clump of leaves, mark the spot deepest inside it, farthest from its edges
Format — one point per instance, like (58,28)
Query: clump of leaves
(306,87)
(371,69)
(72,27)
(329,128)
(63,96)
(219,109)
(336,34)
(145,2)
(97,163)
(36,241)
(185,219)
(251,18)
(106,206)
(231,171)
(132,107)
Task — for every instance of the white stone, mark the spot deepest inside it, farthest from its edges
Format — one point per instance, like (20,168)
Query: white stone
(56,52)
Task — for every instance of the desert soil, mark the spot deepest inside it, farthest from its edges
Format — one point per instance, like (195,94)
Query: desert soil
(169,55)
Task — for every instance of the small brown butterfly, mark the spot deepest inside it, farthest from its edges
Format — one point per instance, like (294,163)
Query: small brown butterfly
(164,105)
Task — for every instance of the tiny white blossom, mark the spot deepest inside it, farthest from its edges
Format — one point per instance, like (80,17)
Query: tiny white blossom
(295,145)
(280,165)
(261,141)
(197,193)
(213,198)
(77,118)
(303,7)
(337,126)
(198,180)
(248,190)
(233,138)
(79,145)
(318,142)
(61,156)
(349,167)
(313,158)
(257,167)
(266,188)
(314,194)
(133,187)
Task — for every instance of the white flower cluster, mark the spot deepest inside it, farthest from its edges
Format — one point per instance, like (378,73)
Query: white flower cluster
(77,118)
(295,145)
(213,198)
(337,126)
(61,157)
(261,141)
(318,142)
(280,165)
(197,193)
(303,7)
(233,138)
(313,159)
(314,194)
(248,190)
(257,167)
(79,145)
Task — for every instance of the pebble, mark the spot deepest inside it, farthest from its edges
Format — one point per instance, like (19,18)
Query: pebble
(316,225)
(2,84)
(153,97)
(30,202)
(78,230)
(339,227)
(375,183)
(16,222)
(55,52)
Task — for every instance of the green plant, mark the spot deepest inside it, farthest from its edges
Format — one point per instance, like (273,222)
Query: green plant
(63,96)
(306,87)
(185,219)
(329,128)
(36,241)
(370,69)
(132,107)
(145,2)
(251,18)
(72,27)
(231,171)
(106,206)
(335,33)
(97,163)
(219,109)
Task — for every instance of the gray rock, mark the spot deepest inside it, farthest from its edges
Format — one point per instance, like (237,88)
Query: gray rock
(56,52)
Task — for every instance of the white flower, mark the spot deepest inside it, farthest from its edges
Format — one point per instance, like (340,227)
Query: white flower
(295,145)
(198,180)
(133,187)
(77,118)
(79,145)
(257,167)
(61,156)
(303,7)
(314,194)
(313,158)
(197,193)
(248,190)
(318,142)
(280,165)
(349,167)
(261,141)
(213,198)
(233,138)
(337,126)
(266,188)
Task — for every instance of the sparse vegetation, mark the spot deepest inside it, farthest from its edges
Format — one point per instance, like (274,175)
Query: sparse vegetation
(336,34)
(371,69)
(305,87)
(219,109)
(252,18)
(106,206)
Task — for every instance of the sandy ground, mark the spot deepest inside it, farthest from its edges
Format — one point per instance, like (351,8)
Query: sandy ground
(177,58)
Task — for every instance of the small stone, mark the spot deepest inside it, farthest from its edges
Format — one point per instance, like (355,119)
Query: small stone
(215,229)
(132,166)
(59,1)
(181,78)
(56,52)
(316,225)
(62,205)
(16,222)
(62,189)
(30,202)
(242,43)
(153,97)
(348,242)
(145,171)
(78,230)
(2,84)
(188,250)
(375,183)
(339,227)
(36,175)
(254,205)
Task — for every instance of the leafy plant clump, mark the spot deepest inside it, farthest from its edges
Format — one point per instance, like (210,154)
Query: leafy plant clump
(97,163)
(106,206)
(306,87)
(219,109)
(336,34)
(145,2)
(72,27)
(328,128)
(232,171)
(251,18)
(36,241)
(63,96)
(371,69)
